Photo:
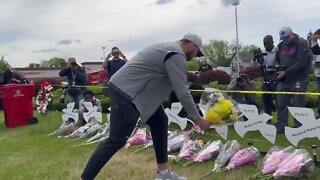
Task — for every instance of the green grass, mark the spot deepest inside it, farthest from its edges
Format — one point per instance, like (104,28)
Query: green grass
(27,153)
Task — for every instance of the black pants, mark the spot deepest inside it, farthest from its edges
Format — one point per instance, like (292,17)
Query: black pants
(123,119)
(268,99)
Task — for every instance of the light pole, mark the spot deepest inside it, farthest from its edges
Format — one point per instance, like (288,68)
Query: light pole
(104,52)
(235,4)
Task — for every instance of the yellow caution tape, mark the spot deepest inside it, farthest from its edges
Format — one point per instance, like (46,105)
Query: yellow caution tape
(223,91)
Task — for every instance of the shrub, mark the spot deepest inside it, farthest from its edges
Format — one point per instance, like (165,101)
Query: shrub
(105,102)
(252,72)
(192,77)
(215,75)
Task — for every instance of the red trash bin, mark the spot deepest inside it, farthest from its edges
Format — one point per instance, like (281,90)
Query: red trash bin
(17,103)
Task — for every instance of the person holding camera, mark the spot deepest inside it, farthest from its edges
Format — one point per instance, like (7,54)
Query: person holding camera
(10,77)
(88,97)
(296,56)
(242,83)
(112,66)
(315,46)
(76,76)
(269,73)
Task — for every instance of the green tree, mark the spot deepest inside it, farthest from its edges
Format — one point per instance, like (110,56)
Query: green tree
(250,48)
(193,65)
(57,62)
(219,52)
(2,63)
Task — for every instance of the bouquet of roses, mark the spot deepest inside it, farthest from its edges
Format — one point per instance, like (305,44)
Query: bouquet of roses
(218,108)
(141,137)
(243,157)
(299,164)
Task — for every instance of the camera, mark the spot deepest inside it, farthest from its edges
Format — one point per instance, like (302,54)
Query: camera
(258,56)
(63,95)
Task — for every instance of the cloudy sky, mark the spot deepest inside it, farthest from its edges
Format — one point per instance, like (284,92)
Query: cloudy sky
(34,30)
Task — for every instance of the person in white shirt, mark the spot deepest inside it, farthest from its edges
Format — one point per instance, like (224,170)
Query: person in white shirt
(269,64)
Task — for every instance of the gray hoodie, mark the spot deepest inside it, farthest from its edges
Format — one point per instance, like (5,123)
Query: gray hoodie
(147,79)
(297,57)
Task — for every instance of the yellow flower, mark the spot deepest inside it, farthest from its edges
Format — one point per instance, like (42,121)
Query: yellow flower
(213,116)
(217,108)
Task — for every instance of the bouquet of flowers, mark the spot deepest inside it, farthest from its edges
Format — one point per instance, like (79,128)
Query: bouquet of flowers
(44,97)
(141,137)
(218,108)
(209,151)
(176,142)
(274,157)
(226,152)
(189,150)
(243,157)
(65,129)
(299,164)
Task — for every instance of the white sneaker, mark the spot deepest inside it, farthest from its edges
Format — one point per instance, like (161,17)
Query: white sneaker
(171,175)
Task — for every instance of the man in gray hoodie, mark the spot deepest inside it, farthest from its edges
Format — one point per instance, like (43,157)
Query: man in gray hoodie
(296,56)
(138,90)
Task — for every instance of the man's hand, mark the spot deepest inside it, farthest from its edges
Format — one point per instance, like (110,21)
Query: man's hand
(281,75)
(203,124)
(15,80)
(122,55)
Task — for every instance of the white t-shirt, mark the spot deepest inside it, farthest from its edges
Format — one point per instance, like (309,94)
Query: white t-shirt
(269,59)
(316,70)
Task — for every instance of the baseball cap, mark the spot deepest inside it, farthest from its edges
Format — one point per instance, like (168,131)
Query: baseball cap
(195,39)
(284,33)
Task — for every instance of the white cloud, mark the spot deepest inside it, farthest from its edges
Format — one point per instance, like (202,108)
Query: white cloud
(133,25)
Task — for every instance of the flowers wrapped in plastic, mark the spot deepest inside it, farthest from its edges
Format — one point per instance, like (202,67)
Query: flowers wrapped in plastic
(141,137)
(243,157)
(226,152)
(299,164)
(209,151)
(218,107)
(189,150)
(274,157)
(175,143)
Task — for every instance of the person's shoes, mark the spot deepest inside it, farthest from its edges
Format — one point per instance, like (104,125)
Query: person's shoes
(171,175)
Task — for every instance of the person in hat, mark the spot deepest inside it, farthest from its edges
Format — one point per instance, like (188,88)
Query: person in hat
(76,76)
(295,55)
(315,46)
(138,90)
(315,42)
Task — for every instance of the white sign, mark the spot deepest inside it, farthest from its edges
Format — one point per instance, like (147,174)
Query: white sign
(68,113)
(310,126)
(173,116)
(92,112)
(222,131)
(255,122)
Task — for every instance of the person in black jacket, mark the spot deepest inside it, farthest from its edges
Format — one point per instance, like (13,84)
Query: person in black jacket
(76,80)
(10,77)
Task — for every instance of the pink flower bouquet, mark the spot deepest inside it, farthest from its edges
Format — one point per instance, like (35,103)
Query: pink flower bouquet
(297,165)
(141,137)
(243,157)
